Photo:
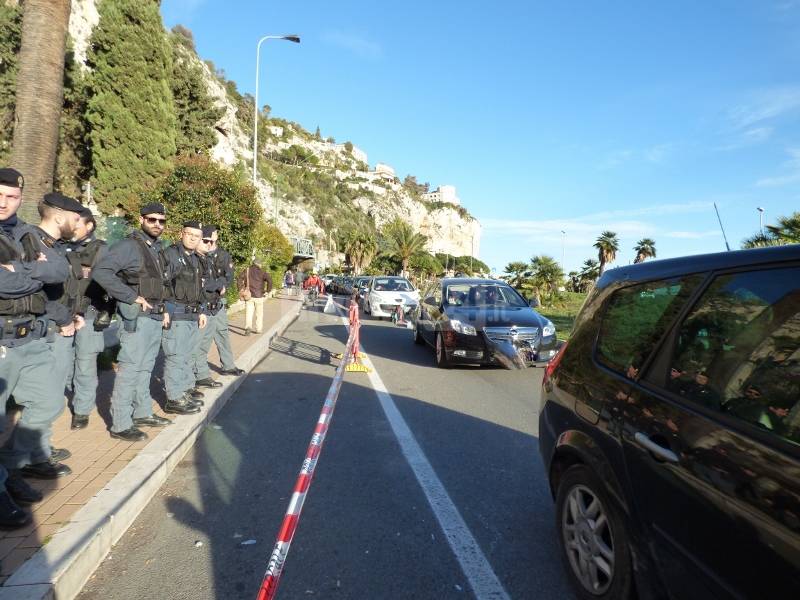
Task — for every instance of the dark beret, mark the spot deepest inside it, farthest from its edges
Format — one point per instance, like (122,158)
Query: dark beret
(152,208)
(63,202)
(208,230)
(193,224)
(11,178)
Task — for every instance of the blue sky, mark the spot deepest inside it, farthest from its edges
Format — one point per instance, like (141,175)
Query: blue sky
(576,116)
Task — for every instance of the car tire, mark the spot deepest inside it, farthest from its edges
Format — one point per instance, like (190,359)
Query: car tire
(418,340)
(586,544)
(367,308)
(441,354)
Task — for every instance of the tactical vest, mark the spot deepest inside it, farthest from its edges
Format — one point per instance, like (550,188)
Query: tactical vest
(81,292)
(208,266)
(187,287)
(31,305)
(151,280)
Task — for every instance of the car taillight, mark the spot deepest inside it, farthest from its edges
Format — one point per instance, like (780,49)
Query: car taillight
(553,364)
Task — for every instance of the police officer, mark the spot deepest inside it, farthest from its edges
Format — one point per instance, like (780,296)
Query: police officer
(136,273)
(89,301)
(25,356)
(219,276)
(180,340)
(60,216)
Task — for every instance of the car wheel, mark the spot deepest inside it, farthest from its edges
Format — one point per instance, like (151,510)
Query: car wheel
(367,309)
(441,354)
(593,538)
(417,337)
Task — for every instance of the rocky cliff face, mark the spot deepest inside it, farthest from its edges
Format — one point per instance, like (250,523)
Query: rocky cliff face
(449,229)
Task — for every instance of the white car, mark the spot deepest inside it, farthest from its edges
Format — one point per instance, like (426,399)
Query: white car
(385,294)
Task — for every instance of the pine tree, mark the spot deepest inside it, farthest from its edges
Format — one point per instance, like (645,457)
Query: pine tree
(130,109)
(194,108)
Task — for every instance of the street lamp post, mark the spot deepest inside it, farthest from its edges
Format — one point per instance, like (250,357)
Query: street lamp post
(288,38)
(760,219)
(563,238)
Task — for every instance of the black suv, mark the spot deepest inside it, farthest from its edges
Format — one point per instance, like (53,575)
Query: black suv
(670,430)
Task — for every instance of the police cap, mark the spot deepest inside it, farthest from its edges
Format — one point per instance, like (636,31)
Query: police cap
(193,224)
(208,230)
(152,208)
(63,202)
(11,178)
(86,212)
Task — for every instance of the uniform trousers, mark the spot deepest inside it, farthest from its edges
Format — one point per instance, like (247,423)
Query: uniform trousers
(26,371)
(131,398)
(63,357)
(215,331)
(179,343)
(88,344)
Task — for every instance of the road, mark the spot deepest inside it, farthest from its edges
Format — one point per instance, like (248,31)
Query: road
(368,530)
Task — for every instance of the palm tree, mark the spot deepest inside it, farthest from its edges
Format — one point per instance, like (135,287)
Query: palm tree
(547,273)
(607,245)
(645,248)
(516,269)
(39,97)
(403,242)
(590,271)
(787,231)
(360,246)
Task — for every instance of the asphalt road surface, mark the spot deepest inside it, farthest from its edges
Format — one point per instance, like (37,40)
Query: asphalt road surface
(443,497)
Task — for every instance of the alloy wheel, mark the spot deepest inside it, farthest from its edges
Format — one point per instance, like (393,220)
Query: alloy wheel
(588,539)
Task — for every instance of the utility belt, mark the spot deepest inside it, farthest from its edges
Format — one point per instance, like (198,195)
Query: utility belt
(186,312)
(16,331)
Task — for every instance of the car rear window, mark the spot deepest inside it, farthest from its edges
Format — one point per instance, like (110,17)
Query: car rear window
(635,319)
(738,350)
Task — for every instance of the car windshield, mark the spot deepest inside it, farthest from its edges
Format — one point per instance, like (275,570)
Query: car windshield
(385,284)
(482,294)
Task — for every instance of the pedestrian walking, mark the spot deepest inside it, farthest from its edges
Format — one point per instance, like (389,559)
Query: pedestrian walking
(136,273)
(288,281)
(91,302)
(187,318)
(25,357)
(216,267)
(253,284)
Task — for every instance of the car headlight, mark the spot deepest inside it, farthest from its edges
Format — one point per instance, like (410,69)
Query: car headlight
(460,327)
(548,329)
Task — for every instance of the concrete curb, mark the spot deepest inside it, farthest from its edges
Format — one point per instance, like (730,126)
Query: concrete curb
(60,568)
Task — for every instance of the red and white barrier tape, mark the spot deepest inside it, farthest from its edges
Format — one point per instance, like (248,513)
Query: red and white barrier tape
(269,586)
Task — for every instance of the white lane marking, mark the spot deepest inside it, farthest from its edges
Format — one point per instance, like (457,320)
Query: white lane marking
(473,562)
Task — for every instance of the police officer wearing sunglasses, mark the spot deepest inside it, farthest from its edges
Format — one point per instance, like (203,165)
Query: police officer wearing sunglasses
(136,272)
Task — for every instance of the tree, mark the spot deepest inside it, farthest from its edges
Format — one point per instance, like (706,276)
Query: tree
(360,246)
(130,110)
(414,188)
(184,36)
(317,134)
(645,248)
(39,98)
(607,245)
(198,188)
(546,274)
(590,271)
(516,269)
(194,107)
(425,265)
(74,160)
(786,231)
(11,18)
(403,242)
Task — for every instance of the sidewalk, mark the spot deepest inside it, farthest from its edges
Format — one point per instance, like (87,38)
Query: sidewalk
(98,461)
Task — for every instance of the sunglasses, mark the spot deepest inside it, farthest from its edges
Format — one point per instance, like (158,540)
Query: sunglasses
(154,220)
(205,241)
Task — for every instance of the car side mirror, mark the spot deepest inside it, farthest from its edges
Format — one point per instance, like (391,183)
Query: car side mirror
(533,303)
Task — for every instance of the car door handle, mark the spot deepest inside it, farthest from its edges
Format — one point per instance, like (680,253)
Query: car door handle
(655,448)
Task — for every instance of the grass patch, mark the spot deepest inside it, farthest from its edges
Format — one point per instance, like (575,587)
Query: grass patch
(562,312)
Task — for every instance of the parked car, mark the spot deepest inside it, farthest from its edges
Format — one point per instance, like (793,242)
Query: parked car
(481,321)
(327,279)
(386,293)
(346,286)
(336,285)
(670,430)
(362,285)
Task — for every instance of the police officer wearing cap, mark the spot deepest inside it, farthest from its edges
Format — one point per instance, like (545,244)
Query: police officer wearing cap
(219,276)
(25,356)
(60,217)
(137,274)
(89,301)
(187,310)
